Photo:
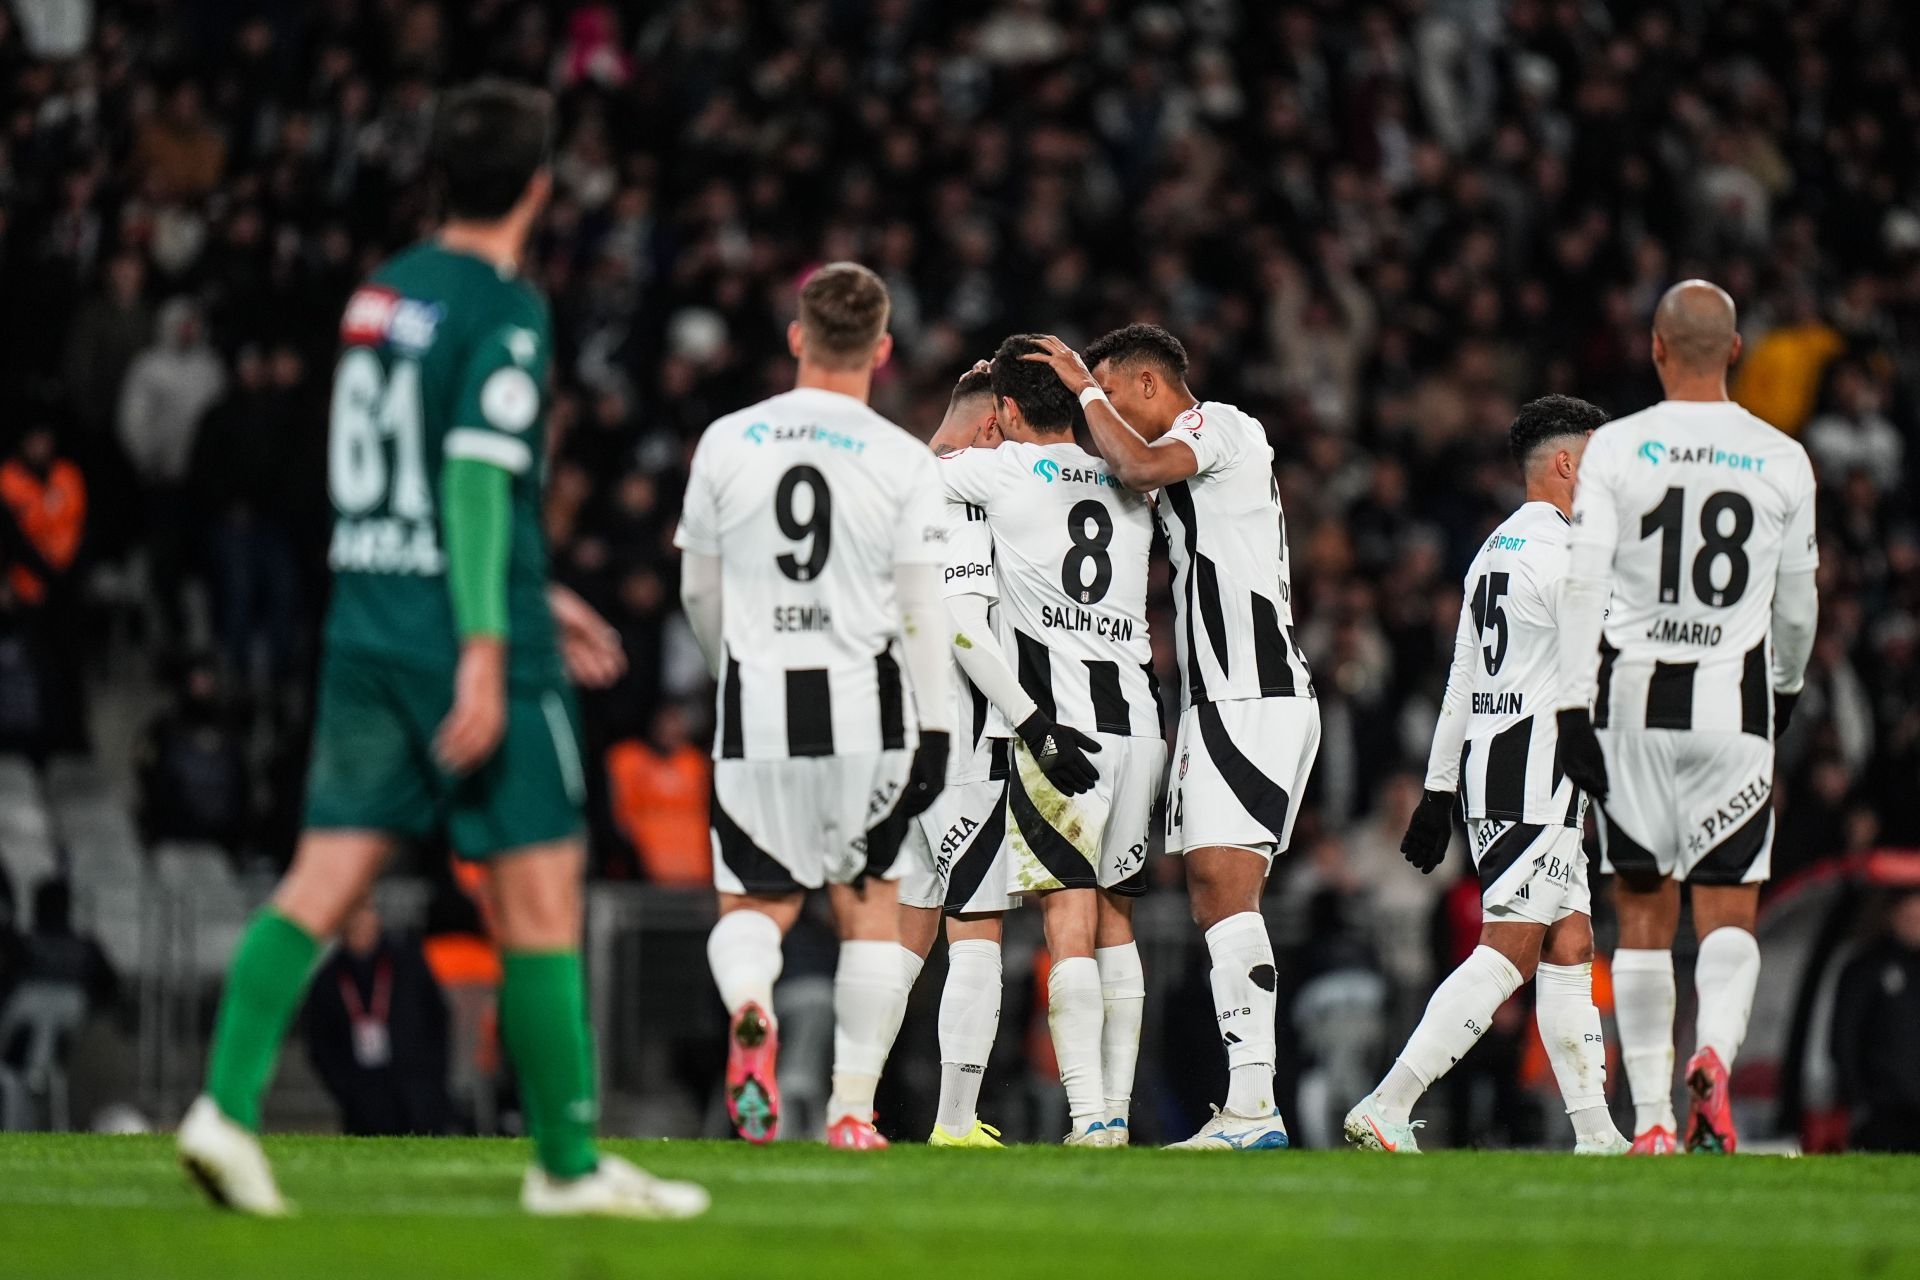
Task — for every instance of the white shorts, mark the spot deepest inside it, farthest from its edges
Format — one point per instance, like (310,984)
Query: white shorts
(1097,839)
(1529,873)
(784,825)
(1240,768)
(954,856)
(1689,805)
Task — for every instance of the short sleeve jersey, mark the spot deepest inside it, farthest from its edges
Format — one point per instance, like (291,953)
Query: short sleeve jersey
(1699,506)
(443,356)
(810,499)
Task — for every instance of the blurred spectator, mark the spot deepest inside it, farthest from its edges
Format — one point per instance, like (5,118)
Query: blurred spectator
(196,779)
(43,522)
(1854,435)
(55,953)
(177,151)
(1876,1035)
(660,787)
(376,1028)
(168,390)
(1779,377)
(113,327)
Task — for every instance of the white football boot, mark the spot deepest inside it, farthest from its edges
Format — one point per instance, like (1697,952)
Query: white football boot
(617,1189)
(1231,1131)
(226,1162)
(1365,1129)
(1096,1135)
(1614,1144)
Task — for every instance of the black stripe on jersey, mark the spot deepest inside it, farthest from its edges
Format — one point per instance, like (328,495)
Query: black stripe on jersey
(1213,613)
(1036,672)
(1053,850)
(1573,809)
(757,870)
(809,712)
(893,702)
(1180,498)
(1110,714)
(1153,691)
(1271,650)
(971,864)
(1732,858)
(1624,854)
(1505,850)
(1506,789)
(1000,764)
(733,737)
(1756,693)
(1603,699)
(1670,695)
(979,700)
(1265,800)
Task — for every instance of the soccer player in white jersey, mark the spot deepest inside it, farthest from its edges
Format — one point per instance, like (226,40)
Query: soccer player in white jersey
(1692,577)
(815,539)
(1249,725)
(955,855)
(1493,756)
(1071,546)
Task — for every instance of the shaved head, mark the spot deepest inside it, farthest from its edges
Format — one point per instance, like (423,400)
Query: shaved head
(1695,322)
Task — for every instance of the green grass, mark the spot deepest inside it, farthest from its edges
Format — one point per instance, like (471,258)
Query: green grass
(97,1207)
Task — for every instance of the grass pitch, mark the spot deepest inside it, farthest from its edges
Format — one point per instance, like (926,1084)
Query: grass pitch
(86,1206)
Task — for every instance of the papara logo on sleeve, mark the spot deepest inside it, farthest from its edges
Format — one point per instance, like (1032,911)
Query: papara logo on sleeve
(1047,469)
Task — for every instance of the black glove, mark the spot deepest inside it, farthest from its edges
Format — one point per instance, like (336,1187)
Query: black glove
(1429,832)
(1783,705)
(1060,752)
(1580,754)
(927,775)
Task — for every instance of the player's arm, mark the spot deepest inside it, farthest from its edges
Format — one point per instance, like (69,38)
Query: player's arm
(698,537)
(589,644)
(919,566)
(1582,615)
(1431,829)
(953,434)
(1138,463)
(1060,750)
(1796,609)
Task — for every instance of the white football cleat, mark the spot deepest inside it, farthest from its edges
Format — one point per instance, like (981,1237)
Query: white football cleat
(1365,1129)
(617,1189)
(1096,1135)
(226,1162)
(1231,1131)
(1118,1134)
(1614,1144)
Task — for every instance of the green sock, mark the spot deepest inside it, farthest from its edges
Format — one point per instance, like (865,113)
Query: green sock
(543,1021)
(265,984)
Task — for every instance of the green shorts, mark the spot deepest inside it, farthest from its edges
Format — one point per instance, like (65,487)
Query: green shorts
(373,767)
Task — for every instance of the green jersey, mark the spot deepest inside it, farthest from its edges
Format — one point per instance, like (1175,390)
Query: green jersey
(444,357)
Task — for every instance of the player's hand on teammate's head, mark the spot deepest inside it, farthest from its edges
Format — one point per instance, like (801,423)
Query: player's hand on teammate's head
(1580,754)
(1064,361)
(928,774)
(1061,753)
(478,720)
(589,644)
(1430,831)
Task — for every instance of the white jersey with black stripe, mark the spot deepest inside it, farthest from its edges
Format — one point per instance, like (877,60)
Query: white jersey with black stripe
(1070,546)
(810,499)
(1700,506)
(1232,585)
(980,730)
(1505,680)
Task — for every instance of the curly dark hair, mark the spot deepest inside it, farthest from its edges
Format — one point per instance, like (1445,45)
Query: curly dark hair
(1139,342)
(1549,418)
(1042,397)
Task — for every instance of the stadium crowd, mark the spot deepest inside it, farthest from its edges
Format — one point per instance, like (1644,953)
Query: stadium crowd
(1378,227)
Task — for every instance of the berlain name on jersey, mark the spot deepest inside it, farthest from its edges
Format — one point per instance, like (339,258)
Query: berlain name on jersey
(1680,631)
(802,617)
(1100,624)
(1498,704)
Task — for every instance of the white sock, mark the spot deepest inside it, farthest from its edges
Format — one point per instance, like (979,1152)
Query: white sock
(1459,1012)
(869,999)
(911,963)
(1123,993)
(1570,1030)
(1643,1001)
(1243,980)
(1074,1015)
(969,1020)
(743,950)
(1724,976)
